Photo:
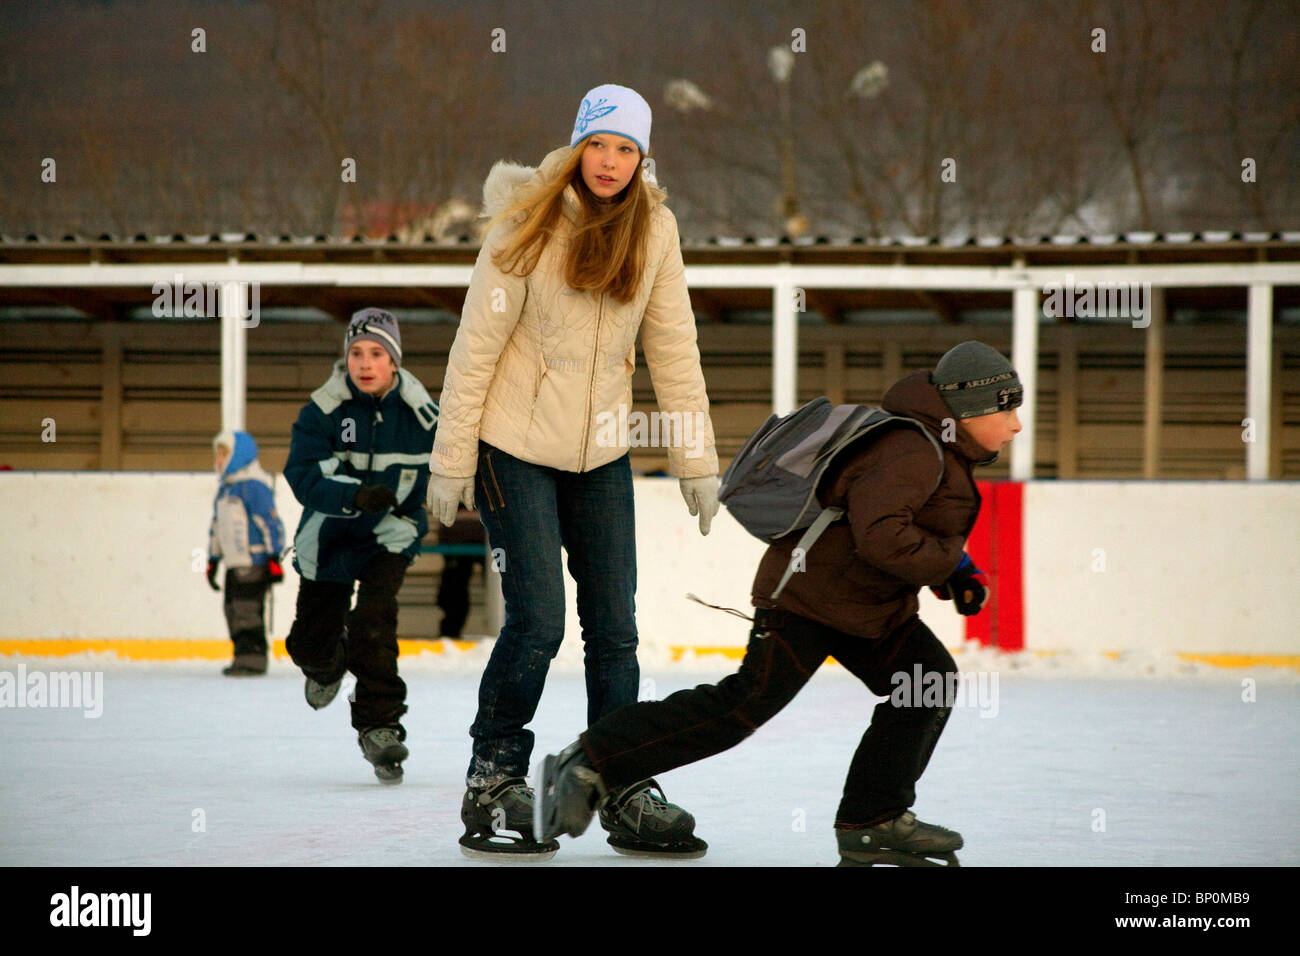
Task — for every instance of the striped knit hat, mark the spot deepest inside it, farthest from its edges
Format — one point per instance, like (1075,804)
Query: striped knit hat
(375,325)
(974,379)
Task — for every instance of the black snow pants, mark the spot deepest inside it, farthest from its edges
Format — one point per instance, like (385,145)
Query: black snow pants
(327,640)
(651,737)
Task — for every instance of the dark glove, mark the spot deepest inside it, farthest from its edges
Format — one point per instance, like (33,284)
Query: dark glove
(277,572)
(965,587)
(372,499)
(212,574)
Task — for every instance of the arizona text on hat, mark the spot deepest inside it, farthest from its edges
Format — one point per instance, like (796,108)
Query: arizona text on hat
(613,109)
(375,325)
(974,379)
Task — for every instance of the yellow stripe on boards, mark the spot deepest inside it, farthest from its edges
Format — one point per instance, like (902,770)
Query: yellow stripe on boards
(163,649)
(1246,660)
(680,651)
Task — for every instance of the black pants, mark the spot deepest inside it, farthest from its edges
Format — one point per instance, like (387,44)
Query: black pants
(245,608)
(453,594)
(326,640)
(648,738)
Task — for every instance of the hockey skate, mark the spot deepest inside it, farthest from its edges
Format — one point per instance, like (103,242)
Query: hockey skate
(320,695)
(902,841)
(498,822)
(638,819)
(570,793)
(383,747)
(641,822)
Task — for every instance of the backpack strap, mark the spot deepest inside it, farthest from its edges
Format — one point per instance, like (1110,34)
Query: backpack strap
(829,515)
(809,538)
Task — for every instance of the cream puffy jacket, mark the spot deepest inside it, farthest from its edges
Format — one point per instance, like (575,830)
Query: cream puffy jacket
(545,373)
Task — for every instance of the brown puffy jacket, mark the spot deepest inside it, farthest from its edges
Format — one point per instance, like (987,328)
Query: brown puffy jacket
(862,576)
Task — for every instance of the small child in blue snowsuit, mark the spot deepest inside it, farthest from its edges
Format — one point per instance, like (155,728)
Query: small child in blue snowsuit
(247,534)
(359,463)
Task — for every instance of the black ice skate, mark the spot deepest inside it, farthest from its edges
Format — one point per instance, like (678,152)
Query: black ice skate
(383,747)
(320,695)
(641,822)
(902,841)
(498,822)
(570,793)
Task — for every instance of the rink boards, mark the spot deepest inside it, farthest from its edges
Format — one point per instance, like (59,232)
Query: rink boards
(114,561)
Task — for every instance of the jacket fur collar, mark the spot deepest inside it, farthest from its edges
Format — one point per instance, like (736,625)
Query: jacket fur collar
(506,178)
(338,390)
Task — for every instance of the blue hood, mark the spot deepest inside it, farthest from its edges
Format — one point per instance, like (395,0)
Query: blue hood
(243,454)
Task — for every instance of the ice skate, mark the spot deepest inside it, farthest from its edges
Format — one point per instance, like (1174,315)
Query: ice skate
(498,822)
(246,665)
(902,841)
(383,747)
(320,695)
(641,822)
(570,792)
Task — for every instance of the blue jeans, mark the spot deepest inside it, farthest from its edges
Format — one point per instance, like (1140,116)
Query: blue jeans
(529,511)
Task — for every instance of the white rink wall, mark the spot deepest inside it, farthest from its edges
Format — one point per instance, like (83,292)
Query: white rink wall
(1197,567)
(1188,566)
(118,555)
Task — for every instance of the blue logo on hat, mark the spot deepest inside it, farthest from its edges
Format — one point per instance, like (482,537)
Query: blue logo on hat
(589,113)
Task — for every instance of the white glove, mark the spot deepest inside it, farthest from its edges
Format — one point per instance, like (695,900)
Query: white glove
(446,494)
(701,496)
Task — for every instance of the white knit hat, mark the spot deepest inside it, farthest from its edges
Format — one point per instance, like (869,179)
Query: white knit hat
(613,109)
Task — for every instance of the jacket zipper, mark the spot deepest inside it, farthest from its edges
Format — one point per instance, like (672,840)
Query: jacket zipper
(374,431)
(591,385)
(501,499)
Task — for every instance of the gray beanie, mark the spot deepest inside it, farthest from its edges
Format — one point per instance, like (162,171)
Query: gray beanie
(974,380)
(375,325)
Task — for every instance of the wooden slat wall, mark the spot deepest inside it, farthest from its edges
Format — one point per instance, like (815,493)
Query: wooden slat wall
(147,396)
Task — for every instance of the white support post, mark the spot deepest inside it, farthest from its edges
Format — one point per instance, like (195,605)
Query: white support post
(1259,371)
(1024,357)
(234,310)
(785,343)
(1154,392)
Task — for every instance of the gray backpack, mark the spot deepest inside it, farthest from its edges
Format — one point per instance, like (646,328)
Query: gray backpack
(771,484)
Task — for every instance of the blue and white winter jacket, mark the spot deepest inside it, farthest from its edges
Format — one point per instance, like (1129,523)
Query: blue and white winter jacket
(344,439)
(246,530)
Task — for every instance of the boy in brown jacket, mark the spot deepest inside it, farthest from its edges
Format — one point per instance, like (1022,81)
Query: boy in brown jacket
(857,602)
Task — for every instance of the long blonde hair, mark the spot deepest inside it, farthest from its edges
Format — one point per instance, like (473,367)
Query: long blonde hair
(606,246)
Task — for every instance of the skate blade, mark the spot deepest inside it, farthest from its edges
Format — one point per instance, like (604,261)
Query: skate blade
(682,851)
(508,852)
(544,800)
(898,858)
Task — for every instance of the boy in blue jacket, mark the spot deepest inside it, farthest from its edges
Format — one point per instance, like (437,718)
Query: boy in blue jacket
(247,533)
(359,463)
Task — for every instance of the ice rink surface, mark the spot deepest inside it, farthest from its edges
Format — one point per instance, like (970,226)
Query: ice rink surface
(1139,762)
